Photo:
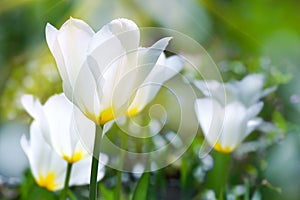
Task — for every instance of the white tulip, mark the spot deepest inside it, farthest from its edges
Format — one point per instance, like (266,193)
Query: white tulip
(102,71)
(227,115)
(226,127)
(59,126)
(48,168)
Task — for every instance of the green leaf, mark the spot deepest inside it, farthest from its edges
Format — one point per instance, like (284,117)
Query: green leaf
(71,195)
(141,189)
(106,193)
(280,121)
(184,172)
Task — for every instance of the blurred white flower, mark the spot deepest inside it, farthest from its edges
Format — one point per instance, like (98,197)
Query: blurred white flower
(102,71)
(227,115)
(48,168)
(248,91)
(57,122)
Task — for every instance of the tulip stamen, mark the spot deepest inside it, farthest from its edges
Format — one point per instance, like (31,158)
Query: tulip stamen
(74,158)
(106,115)
(222,149)
(132,112)
(47,181)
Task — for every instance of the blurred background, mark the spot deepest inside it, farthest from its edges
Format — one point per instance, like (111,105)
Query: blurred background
(242,37)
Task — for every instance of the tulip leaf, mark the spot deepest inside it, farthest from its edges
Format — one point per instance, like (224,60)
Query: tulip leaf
(141,189)
(106,193)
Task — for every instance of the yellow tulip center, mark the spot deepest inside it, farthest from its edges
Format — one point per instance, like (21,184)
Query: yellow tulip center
(48,181)
(106,115)
(109,114)
(222,149)
(132,112)
(74,158)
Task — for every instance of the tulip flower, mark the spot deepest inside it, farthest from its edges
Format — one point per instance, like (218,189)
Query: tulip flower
(227,122)
(48,168)
(102,71)
(226,127)
(56,120)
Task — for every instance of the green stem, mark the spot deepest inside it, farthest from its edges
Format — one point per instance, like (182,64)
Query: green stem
(217,177)
(67,179)
(95,163)
(118,186)
(119,172)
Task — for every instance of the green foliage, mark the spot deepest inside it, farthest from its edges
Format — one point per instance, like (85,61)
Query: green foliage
(141,189)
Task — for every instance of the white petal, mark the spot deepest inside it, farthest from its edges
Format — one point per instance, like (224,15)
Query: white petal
(25,144)
(150,55)
(127,32)
(163,71)
(64,130)
(131,81)
(84,129)
(267,91)
(249,89)
(58,112)
(73,40)
(210,115)
(234,125)
(35,109)
(250,119)
(253,110)
(51,34)
(252,125)
(80,173)
(62,68)
(32,106)
(105,48)
(214,89)
(86,93)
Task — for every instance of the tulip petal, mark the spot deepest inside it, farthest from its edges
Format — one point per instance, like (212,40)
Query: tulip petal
(87,91)
(35,109)
(73,39)
(64,128)
(127,32)
(249,89)
(234,125)
(105,48)
(32,106)
(253,110)
(126,87)
(210,115)
(163,70)
(51,35)
(214,89)
(252,125)
(69,46)
(79,175)
(150,55)
(58,114)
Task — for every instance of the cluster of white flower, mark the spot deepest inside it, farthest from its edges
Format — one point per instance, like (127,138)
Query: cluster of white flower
(107,75)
